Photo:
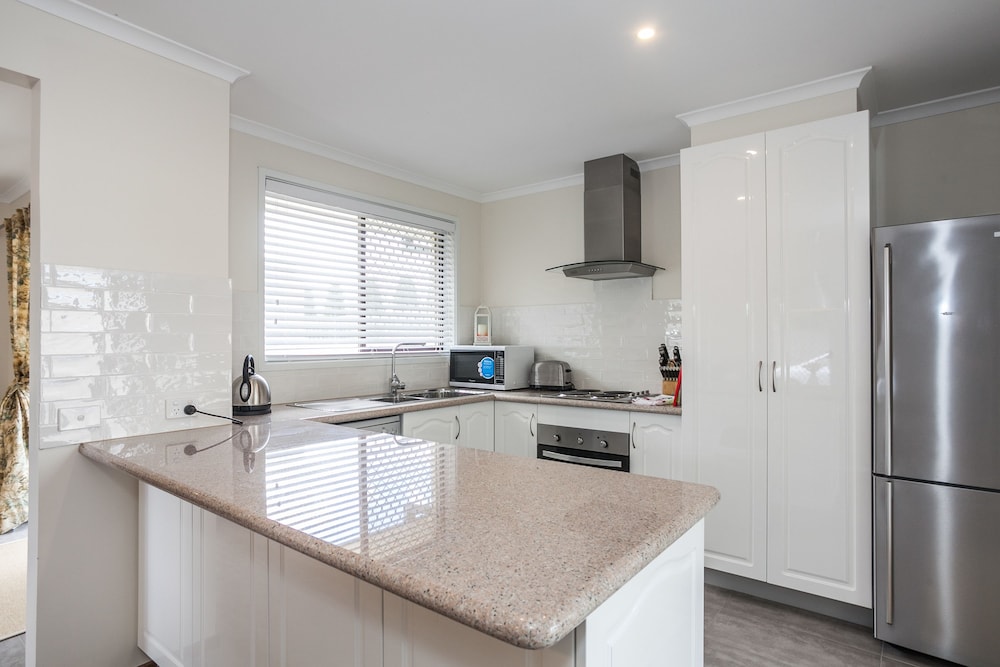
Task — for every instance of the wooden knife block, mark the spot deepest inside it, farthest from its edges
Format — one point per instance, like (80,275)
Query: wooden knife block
(669,387)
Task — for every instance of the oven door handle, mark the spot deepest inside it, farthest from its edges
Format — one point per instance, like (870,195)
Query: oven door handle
(579,459)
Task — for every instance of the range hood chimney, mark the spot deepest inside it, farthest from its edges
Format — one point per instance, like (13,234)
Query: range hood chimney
(612,222)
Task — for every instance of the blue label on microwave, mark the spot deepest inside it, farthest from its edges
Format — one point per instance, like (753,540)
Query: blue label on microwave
(486,368)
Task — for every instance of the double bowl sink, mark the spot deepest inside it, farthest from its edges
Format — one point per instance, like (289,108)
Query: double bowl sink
(427,394)
(371,402)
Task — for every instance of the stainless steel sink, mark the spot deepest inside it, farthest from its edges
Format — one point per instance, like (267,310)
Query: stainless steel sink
(398,398)
(444,392)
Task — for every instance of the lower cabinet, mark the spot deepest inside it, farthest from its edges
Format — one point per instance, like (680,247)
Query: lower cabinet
(469,424)
(318,615)
(657,449)
(437,425)
(215,594)
(516,428)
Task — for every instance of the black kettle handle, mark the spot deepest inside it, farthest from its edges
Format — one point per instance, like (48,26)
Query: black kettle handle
(248,370)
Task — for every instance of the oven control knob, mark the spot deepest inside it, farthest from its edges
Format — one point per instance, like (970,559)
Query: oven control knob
(556,437)
(603,443)
(579,440)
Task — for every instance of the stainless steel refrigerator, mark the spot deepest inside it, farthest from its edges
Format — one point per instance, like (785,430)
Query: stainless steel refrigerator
(936,327)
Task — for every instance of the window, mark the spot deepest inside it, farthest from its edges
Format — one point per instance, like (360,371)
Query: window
(345,277)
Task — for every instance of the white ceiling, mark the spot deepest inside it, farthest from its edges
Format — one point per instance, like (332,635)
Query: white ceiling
(482,97)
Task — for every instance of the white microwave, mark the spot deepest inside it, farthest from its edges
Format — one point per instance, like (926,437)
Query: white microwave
(491,366)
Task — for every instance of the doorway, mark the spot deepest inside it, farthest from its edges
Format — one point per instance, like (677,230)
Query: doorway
(16,114)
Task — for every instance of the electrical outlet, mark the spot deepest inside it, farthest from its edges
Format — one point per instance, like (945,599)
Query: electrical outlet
(175,408)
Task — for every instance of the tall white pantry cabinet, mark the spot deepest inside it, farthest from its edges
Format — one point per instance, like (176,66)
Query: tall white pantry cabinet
(777,400)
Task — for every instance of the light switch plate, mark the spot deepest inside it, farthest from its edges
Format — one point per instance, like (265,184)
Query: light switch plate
(71,419)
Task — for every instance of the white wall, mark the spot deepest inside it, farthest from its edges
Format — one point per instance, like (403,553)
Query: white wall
(248,155)
(131,172)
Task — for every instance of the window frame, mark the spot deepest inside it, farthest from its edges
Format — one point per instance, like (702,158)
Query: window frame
(375,207)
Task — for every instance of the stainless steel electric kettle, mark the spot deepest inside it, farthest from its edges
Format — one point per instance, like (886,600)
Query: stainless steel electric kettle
(251,395)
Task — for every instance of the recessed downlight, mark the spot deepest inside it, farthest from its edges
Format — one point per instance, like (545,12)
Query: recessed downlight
(646,33)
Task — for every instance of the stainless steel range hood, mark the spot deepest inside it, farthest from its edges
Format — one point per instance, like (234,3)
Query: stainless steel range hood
(612,222)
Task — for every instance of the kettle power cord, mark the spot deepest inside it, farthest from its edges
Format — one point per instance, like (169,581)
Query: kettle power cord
(190,410)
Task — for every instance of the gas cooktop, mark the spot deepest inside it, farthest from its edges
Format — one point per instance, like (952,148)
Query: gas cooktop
(601,395)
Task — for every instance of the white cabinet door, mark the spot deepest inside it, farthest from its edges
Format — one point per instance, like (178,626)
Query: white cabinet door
(775,289)
(165,561)
(469,425)
(724,288)
(202,586)
(319,615)
(436,425)
(657,449)
(475,425)
(515,429)
(819,418)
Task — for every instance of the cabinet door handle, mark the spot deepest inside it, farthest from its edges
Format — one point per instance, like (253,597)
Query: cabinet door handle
(633,435)
(774,365)
(889,588)
(458,427)
(887,350)
(760,383)
(531,425)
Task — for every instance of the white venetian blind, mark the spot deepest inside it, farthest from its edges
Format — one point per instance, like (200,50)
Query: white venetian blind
(345,277)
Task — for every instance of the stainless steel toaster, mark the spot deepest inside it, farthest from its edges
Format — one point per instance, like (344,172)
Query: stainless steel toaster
(551,375)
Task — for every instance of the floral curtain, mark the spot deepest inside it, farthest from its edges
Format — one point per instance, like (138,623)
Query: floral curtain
(14,405)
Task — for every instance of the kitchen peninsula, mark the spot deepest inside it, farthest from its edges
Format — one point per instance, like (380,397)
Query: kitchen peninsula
(302,542)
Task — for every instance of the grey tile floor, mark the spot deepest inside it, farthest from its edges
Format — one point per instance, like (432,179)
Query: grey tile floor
(750,632)
(12,651)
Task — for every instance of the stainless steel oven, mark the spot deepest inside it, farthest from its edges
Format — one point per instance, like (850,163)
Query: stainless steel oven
(584,446)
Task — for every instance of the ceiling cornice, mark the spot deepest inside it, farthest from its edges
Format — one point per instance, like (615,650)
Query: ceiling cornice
(253,128)
(790,95)
(570,181)
(16,191)
(123,31)
(978,98)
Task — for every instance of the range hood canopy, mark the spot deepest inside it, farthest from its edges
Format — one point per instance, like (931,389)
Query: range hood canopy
(612,222)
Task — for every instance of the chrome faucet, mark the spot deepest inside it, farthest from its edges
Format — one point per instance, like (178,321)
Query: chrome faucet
(395,384)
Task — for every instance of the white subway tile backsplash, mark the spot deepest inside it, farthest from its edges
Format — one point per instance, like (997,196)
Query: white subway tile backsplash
(210,343)
(128,385)
(73,365)
(168,282)
(70,297)
(202,304)
(116,343)
(64,389)
(611,343)
(73,320)
(71,343)
(79,276)
(195,324)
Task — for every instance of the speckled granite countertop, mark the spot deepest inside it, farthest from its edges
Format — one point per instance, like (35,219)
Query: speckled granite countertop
(517,396)
(520,549)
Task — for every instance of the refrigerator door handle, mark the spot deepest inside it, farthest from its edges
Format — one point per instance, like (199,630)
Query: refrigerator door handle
(887,350)
(889,603)
(760,366)
(774,366)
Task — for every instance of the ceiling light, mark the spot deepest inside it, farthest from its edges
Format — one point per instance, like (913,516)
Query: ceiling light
(646,33)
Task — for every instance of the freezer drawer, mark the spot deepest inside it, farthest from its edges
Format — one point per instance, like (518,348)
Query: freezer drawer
(940,594)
